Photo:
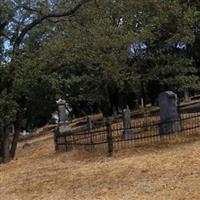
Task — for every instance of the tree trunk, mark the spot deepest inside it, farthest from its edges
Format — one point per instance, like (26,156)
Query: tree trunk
(1,143)
(17,127)
(6,146)
(15,139)
(143,93)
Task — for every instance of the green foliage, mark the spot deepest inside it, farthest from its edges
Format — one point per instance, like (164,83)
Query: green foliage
(86,59)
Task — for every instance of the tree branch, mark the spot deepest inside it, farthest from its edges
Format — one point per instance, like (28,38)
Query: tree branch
(26,29)
(25,7)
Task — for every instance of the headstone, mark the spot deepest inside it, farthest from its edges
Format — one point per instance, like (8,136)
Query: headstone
(186,95)
(169,116)
(63,116)
(128,133)
(62,111)
(115,113)
(89,124)
(90,127)
(142,102)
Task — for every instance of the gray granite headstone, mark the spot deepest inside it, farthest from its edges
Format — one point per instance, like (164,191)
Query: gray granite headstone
(186,95)
(63,116)
(90,127)
(89,124)
(128,133)
(169,116)
(62,112)
(142,102)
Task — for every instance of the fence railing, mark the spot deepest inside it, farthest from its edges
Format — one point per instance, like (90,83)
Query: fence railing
(143,130)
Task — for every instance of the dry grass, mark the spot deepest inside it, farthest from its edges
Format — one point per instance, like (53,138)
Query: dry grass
(163,171)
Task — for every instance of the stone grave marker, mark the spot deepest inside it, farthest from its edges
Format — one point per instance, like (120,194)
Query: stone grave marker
(186,95)
(89,123)
(142,102)
(128,133)
(62,112)
(169,116)
(90,127)
(62,116)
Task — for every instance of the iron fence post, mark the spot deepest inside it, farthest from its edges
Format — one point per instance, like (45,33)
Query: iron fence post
(109,137)
(55,138)
(179,113)
(90,127)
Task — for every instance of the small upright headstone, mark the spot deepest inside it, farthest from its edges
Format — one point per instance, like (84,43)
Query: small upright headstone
(186,95)
(128,133)
(115,113)
(90,127)
(169,116)
(89,124)
(142,102)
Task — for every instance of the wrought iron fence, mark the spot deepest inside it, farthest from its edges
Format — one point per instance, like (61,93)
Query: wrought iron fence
(144,129)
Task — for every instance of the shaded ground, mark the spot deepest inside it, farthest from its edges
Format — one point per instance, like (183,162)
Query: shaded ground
(165,171)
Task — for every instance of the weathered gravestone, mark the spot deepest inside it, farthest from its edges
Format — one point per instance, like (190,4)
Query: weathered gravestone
(142,102)
(169,116)
(128,133)
(90,127)
(62,116)
(186,95)
(89,124)
(62,112)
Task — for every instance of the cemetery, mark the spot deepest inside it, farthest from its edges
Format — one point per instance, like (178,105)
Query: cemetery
(99,99)
(130,130)
(150,171)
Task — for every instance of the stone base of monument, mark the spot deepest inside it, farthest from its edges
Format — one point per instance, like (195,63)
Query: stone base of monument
(168,127)
(128,135)
(64,146)
(62,142)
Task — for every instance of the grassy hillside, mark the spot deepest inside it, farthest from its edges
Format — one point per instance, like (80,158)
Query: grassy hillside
(164,171)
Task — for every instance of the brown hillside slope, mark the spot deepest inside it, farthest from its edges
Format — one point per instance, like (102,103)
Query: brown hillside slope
(163,172)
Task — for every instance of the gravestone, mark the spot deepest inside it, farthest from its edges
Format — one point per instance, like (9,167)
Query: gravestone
(62,116)
(142,102)
(89,124)
(186,95)
(62,112)
(128,133)
(90,127)
(169,116)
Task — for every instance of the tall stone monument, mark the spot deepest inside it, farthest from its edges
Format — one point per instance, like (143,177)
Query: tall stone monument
(128,133)
(62,112)
(169,116)
(62,115)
